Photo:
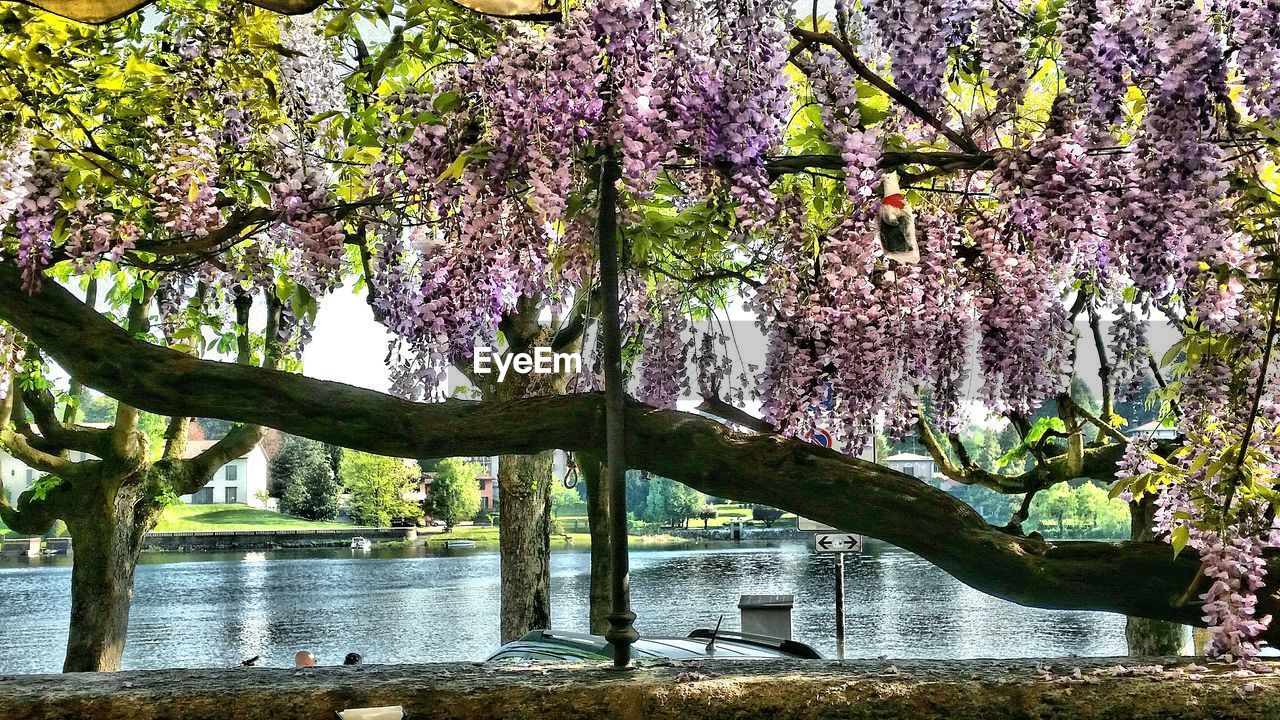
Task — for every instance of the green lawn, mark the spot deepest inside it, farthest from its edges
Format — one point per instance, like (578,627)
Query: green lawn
(197,518)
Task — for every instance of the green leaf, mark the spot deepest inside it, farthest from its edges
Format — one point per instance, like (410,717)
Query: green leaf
(446,102)
(1172,353)
(41,488)
(455,168)
(1178,538)
(1117,489)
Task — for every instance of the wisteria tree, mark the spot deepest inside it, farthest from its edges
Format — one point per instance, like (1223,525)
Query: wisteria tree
(1059,162)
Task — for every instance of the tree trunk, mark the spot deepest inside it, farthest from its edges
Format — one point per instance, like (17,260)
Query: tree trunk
(524,537)
(106,540)
(598,519)
(1146,637)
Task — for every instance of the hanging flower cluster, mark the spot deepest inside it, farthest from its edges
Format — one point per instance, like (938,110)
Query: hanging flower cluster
(35,216)
(184,183)
(307,229)
(15,170)
(1172,199)
(1128,350)
(663,368)
(1093,58)
(917,34)
(851,334)
(833,86)
(308,68)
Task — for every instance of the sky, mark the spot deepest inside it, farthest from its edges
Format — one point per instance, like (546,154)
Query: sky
(349,346)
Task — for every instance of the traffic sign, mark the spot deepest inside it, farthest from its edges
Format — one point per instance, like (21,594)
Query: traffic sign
(837,542)
(821,438)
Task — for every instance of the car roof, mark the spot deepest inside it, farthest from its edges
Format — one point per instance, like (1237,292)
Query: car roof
(562,646)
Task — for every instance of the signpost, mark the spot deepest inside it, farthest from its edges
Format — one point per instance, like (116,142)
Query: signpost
(837,542)
(832,540)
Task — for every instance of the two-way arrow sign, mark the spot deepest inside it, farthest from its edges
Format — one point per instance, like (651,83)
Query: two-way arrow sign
(837,542)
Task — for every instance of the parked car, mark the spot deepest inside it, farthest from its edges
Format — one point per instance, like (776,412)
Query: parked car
(554,646)
(439,523)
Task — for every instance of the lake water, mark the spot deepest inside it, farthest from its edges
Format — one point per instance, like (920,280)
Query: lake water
(405,605)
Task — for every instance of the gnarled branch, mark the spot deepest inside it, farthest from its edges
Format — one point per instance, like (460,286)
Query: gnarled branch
(1128,577)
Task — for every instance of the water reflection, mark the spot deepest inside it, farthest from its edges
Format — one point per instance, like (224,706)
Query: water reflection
(405,605)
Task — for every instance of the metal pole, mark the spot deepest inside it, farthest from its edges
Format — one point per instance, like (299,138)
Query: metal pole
(622,633)
(840,605)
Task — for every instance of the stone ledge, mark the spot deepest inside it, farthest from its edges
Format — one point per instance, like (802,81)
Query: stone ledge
(1078,689)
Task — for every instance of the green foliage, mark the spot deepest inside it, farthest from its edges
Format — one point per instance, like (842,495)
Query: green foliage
(377,485)
(455,494)
(312,494)
(671,503)
(296,456)
(765,514)
(708,513)
(565,501)
(1083,511)
(1042,425)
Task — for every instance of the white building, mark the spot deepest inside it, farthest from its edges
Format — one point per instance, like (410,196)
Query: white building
(1153,429)
(18,477)
(920,466)
(243,480)
(240,481)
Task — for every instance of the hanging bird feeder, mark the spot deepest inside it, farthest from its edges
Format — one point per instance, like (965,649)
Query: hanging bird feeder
(897,223)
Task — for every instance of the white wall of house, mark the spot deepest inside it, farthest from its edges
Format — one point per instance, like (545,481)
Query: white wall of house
(912,464)
(239,481)
(18,477)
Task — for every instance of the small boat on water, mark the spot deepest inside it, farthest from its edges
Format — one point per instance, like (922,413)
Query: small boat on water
(359,543)
(459,543)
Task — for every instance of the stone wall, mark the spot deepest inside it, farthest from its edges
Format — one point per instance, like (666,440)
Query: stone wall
(254,539)
(771,690)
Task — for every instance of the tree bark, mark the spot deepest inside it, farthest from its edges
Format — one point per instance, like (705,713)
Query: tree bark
(525,543)
(106,538)
(598,520)
(524,483)
(1133,578)
(1146,637)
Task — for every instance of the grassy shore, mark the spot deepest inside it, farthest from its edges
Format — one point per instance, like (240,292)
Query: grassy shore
(202,518)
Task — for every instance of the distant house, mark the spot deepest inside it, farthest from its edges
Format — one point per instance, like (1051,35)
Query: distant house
(488,481)
(920,466)
(18,478)
(1153,429)
(241,481)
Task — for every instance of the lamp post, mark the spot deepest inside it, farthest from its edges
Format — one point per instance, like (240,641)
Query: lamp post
(622,633)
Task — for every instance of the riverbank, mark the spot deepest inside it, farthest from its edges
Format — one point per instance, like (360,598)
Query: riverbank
(1076,689)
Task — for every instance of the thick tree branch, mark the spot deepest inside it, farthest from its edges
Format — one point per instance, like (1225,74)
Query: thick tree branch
(98,12)
(17,445)
(43,409)
(1141,579)
(944,161)
(866,73)
(1104,364)
(1095,462)
(712,405)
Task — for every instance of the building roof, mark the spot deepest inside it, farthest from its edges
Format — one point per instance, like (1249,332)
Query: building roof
(908,457)
(1153,426)
(195,447)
